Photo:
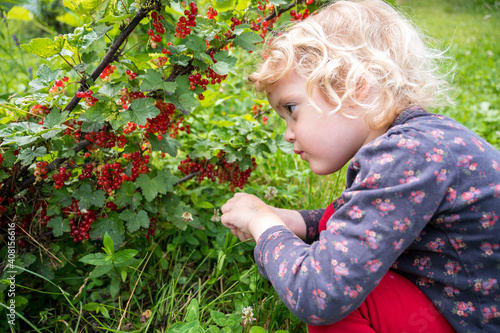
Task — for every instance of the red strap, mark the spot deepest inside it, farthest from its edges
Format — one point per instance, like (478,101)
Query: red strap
(326,216)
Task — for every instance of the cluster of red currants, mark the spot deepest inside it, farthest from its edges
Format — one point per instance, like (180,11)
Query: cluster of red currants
(107,72)
(40,109)
(43,219)
(185,22)
(86,172)
(127,96)
(297,16)
(131,75)
(40,171)
(60,177)
(156,38)
(235,23)
(87,96)
(104,139)
(231,172)
(211,13)
(139,165)
(58,85)
(110,177)
(162,122)
(223,170)
(152,228)
(79,222)
(257,111)
(3,206)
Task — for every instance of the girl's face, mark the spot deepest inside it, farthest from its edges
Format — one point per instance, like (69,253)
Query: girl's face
(326,142)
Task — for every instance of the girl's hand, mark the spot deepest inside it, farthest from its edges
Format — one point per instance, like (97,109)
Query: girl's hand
(248,217)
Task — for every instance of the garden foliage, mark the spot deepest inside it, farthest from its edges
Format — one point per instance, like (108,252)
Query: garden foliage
(122,148)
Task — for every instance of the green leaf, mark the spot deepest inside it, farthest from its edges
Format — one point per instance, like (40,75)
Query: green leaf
(196,43)
(166,145)
(153,80)
(92,306)
(247,40)
(59,226)
(135,220)
(187,102)
(192,311)
(124,255)
(100,270)
(257,329)
(97,259)
(26,156)
(111,89)
(218,317)
(127,196)
(114,289)
(44,47)
(60,198)
(221,68)
(108,244)
(224,5)
(88,198)
(162,183)
(140,110)
(55,118)
(112,225)
(46,74)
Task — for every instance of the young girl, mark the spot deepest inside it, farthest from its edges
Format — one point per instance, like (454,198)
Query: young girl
(413,243)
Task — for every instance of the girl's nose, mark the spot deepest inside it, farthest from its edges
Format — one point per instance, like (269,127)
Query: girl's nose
(289,135)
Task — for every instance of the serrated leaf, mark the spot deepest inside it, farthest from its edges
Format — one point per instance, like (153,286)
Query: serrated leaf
(59,226)
(113,226)
(98,259)
(247,40)
(88,198)
(124,255)
(60,198)
(140,110)
(112,18)
(188,102)
(46,74)
(153,80)
(134,221)
(224,5)
(127,196)
(108,244)
(162,183)
(55,118)
(100,270)
(44,47)
(166,145)
(196,43)
(26,156)
(111,89)
(221,68)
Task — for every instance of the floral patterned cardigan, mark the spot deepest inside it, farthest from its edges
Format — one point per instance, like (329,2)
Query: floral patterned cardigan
(423,199)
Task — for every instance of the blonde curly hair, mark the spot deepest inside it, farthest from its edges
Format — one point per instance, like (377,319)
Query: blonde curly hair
(351,43)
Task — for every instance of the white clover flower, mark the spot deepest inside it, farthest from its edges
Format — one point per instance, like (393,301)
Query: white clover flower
(216,216)
(271,193)
(187,217)
(247,315)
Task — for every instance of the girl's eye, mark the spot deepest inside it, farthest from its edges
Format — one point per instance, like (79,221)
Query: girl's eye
(290,108)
